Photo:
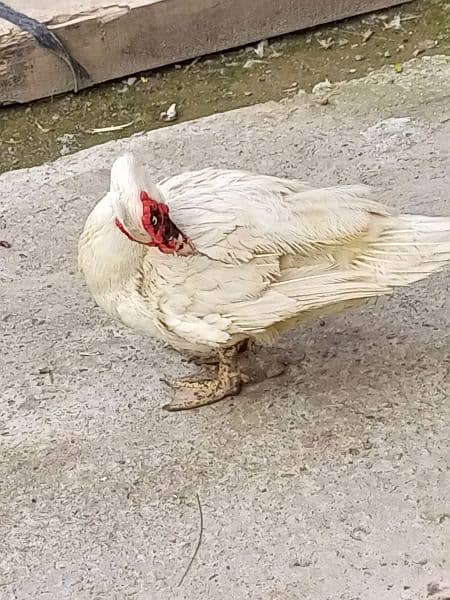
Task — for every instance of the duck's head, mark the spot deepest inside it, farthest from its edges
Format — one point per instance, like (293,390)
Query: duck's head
(140,211)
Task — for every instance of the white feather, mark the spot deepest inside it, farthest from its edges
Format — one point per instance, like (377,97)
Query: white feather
(271,252)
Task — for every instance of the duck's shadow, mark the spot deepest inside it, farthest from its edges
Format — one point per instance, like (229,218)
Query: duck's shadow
(345,359)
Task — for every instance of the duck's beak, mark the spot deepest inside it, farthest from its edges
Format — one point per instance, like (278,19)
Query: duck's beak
(175,242)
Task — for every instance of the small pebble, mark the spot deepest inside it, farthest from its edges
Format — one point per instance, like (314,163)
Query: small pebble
(170,114)
(261,48)
(367,35)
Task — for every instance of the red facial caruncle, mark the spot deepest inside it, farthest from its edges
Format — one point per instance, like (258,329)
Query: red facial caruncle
(164,234)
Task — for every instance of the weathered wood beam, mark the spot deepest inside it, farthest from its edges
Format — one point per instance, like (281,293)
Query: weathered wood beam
(112,41)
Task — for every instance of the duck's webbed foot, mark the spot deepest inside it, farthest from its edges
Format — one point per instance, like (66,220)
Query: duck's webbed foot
(207,388)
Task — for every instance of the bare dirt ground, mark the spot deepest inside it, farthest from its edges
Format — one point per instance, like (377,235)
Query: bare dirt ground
(42,131)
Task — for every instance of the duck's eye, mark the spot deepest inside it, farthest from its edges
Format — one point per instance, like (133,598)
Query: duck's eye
(154,220)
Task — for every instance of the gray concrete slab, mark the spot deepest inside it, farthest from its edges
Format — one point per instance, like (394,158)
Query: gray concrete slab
(329,483)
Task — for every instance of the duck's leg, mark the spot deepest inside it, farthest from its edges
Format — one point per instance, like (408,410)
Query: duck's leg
(207,360)
(210,360)
(191,392)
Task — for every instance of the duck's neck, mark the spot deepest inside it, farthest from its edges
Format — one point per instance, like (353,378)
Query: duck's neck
(109,261)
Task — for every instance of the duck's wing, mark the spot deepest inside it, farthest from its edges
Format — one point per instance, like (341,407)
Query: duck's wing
(282,249)
(233,216)
(279,248)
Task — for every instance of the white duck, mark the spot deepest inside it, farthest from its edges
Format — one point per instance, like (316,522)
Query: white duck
(249,257)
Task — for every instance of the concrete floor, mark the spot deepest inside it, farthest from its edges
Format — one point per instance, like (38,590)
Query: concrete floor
(330,483)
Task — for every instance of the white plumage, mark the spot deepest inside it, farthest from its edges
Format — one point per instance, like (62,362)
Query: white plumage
(270,253)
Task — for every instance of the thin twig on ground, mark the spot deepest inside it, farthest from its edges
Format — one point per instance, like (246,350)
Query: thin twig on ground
(199,541)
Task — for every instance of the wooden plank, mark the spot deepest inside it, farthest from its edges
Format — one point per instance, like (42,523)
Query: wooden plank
(113,41)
